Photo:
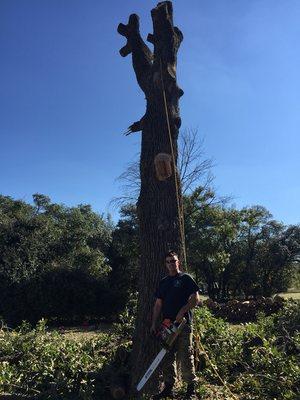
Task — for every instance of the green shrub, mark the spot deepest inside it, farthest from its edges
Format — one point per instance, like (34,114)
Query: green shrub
(287,321)
(125,325)
(257,360)
(35,361)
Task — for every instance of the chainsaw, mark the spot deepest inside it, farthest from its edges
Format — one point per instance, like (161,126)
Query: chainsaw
(167,335)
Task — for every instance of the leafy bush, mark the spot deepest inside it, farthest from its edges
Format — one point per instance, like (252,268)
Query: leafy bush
(287,321)
(35,361)
(255,360)
(125,325)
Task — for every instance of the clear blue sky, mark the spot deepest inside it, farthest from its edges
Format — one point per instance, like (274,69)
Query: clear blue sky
(66,96)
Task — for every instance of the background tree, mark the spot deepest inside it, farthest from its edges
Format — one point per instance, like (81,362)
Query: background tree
(254,254)
(50,255)
(253,220)
(124,254)
(238,252)
(275,257)
(211,230)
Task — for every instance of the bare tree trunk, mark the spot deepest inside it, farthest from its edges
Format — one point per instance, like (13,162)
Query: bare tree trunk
(157,203)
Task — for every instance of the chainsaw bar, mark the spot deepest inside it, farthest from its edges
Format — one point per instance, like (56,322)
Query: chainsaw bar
(151,369)
(169,335)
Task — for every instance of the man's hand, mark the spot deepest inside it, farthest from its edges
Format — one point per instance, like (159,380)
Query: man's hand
(153,329)
(180,315)
(156,312)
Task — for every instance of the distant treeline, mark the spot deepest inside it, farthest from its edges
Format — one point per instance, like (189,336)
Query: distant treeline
(70,263)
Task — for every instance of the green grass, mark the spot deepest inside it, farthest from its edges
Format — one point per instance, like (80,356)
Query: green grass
(80,333)
(290,295)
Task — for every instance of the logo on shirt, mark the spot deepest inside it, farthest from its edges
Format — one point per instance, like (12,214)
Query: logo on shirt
(177,283)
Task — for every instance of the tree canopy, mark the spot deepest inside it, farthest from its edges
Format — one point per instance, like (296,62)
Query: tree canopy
(67,263)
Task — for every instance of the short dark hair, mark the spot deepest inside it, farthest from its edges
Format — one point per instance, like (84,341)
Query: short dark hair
(171,253)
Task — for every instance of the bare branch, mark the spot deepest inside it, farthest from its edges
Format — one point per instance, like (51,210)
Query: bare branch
(193,169)
(130,186)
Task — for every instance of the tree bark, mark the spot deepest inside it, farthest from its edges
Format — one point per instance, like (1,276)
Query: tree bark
(158,200)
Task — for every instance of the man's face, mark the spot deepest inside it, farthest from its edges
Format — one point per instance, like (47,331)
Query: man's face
(172,264)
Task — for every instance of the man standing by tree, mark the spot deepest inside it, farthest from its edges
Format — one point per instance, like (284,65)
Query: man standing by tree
(176,295)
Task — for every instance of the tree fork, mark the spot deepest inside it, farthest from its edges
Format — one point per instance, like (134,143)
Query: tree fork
(157,204)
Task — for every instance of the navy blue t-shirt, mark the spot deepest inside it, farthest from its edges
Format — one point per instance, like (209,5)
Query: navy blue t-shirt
(174,291)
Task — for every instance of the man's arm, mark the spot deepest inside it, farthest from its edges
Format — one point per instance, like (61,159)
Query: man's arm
(193,300)
(155,314)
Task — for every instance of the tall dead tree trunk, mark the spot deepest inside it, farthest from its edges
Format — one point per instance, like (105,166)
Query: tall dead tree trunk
(157,203)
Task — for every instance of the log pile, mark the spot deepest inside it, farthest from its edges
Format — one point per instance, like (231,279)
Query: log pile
(237,311)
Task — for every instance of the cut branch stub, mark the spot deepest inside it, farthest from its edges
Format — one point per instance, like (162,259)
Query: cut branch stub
(150,38)
(135,127)
(127,31)
(179,36)
(163,166)
(141,54)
